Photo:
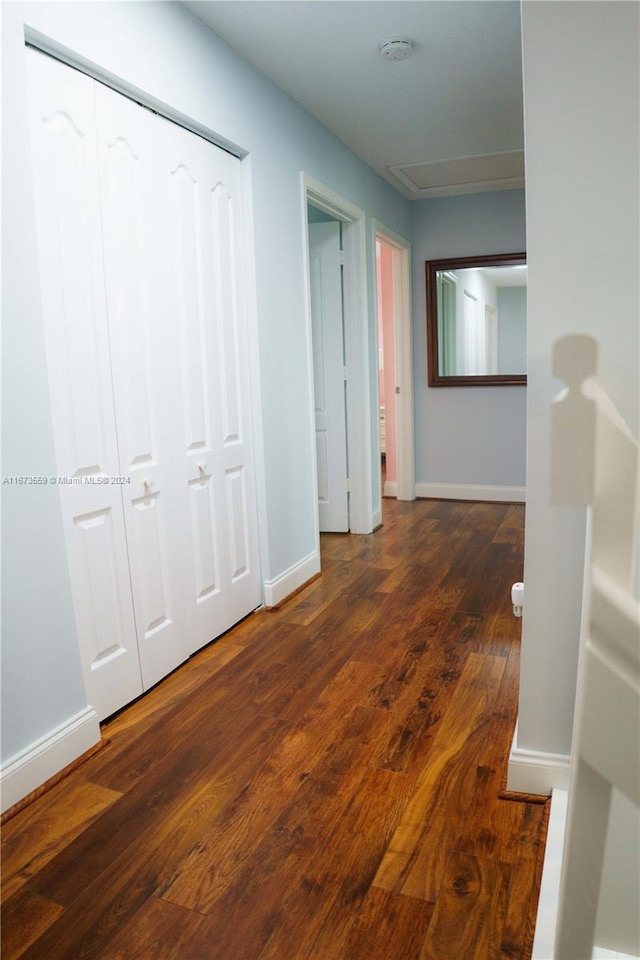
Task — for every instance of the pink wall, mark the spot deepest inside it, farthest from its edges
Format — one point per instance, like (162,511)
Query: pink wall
(381,384)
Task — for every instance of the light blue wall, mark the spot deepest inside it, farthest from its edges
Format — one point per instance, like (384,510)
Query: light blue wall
(318,216)
(465,435)
(42,682)
(162,50)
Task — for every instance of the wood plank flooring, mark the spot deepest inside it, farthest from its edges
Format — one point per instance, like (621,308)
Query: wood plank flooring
(322,783)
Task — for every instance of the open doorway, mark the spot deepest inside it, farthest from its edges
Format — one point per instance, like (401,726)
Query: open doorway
(386,369)
(395,365)
(356,368)
(329,370)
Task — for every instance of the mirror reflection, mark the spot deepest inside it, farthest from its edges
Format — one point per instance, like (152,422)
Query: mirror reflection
(477,313)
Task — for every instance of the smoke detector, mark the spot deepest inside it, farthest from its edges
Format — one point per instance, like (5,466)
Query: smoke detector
(396,49)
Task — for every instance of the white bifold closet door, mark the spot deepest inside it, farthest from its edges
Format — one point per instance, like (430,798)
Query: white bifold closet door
(139,232)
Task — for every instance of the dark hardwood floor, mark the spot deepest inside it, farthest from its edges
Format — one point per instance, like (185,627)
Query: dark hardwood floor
(322,783)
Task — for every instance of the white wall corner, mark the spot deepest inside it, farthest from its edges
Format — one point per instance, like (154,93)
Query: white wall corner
(471,491)
(532,771)
(376,518)
(41,760)
(282,586)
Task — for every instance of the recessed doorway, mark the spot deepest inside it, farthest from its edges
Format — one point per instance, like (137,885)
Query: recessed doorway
(357,377)
(395,365)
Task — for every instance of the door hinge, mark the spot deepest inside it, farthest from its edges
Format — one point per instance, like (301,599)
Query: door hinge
(342,258)
(345,374)
(348,485)
(397,389)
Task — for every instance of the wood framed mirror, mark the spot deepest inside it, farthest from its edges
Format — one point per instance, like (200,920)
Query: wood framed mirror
(477,321)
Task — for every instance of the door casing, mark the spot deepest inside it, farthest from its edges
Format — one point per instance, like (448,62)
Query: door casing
(405,445)
(357,352)
(328,358)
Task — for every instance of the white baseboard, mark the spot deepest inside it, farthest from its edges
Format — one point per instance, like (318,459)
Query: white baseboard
(282,586)
(532,771)
(547,916)
(376,518)
(390,488)
(471,491)
(41,760)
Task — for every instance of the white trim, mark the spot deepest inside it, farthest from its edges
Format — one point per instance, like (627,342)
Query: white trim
(311,412)
(454,189)
(74,59)
(471,491)
(548,902)
(377,518)
(403,337)
(357,348)
(390,488)
(324,198)
(599,953)
(356,323)
(42,759)
(547,915)
(255,390)
(532,771)
(282,586)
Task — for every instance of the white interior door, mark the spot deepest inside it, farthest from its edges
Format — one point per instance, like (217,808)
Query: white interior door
(328,374)
(65,175)
(142,263)
(215,448)
(138,251)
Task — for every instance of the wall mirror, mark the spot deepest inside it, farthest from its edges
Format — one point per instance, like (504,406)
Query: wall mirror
(477,321)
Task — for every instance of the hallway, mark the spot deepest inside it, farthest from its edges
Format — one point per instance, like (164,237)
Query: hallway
(322,783)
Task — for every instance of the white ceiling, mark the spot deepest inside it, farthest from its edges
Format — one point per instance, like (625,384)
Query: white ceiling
(457,98)
(506,276)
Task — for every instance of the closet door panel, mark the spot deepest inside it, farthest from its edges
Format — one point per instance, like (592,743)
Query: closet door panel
(227,305)
(216,443)
(205,541)
(190,282)
(232,366)
(96,546)
(207,607)
(238,531)
(74,313)
(140,233)
(144,344)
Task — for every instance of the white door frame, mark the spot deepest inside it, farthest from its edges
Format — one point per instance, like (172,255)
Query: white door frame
(356,346)
(328,368)
(403,343)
